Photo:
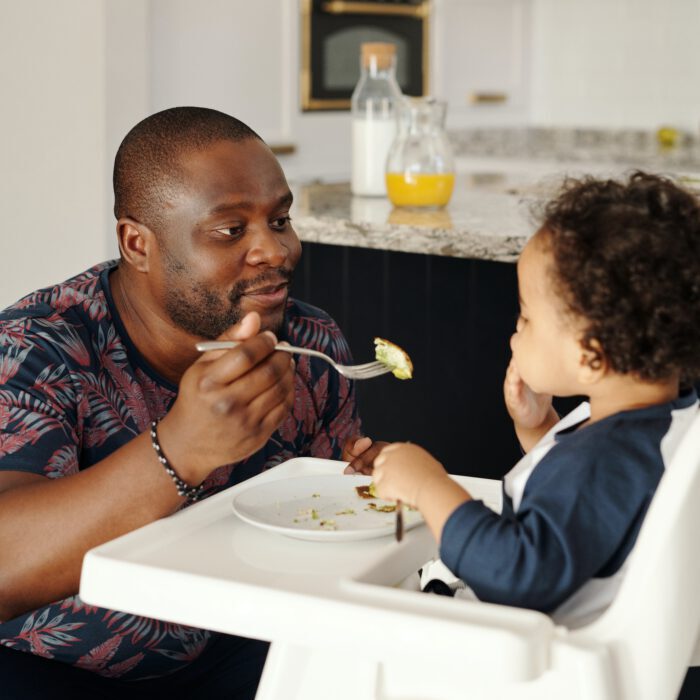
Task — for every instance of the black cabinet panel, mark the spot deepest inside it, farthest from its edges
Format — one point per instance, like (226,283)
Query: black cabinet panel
(454,317)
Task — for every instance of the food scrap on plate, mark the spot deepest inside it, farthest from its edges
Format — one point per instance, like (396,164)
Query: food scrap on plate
(366,491)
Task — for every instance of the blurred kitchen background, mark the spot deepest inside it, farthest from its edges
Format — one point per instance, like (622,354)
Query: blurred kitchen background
(535,88)
(75,75)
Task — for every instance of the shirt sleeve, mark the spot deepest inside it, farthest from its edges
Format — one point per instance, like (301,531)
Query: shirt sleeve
(336,397)
(37,404)
(578,519)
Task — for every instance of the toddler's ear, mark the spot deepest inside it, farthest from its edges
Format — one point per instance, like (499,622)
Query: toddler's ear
(592,364)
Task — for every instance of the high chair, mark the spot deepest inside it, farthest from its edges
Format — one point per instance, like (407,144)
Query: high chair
(446,649)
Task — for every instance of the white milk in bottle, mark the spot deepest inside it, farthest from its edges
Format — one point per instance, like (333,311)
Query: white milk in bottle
(374,105)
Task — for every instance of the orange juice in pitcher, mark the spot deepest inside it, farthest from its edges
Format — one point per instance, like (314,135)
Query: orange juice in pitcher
(420,189)
(420,168)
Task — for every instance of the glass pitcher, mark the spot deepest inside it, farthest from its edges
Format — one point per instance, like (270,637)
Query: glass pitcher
(420,167)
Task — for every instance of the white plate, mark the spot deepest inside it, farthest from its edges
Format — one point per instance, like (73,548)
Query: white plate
(301,507)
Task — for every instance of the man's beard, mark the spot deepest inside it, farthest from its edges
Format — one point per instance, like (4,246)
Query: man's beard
(204,313)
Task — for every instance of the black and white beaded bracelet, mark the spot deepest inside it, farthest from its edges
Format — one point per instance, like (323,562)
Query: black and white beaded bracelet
(191,493)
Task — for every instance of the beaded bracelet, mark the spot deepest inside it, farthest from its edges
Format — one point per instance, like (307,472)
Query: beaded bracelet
(191,493)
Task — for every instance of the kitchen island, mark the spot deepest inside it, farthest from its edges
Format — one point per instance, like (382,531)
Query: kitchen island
(485,220)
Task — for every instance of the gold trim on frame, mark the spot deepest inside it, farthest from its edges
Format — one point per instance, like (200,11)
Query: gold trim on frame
(425,61)
(486,97)
(342,7)
(422,11)
(305,77)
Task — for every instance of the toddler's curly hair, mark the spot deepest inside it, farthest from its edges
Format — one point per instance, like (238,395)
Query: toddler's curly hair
(627,262)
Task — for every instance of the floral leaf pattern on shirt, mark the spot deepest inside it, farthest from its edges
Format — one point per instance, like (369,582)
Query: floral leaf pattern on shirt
(304,414)
(123,667)
(43,635)
(75,604)
(69,342)
(63,462)
(11,361)
(55,384)
(74,389)
(98,657)
(108,410)
(21,424)
(140,628)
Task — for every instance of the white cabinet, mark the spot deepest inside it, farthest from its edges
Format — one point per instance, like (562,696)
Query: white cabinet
(243,58)
(481,51)
(231,55)
(53,174)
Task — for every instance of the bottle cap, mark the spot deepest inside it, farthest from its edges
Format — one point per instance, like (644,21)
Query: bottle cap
(379,53)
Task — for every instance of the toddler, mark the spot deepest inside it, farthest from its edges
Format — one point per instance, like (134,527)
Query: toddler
(609,292)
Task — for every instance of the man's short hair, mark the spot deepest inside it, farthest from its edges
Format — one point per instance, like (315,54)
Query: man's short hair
(147,166)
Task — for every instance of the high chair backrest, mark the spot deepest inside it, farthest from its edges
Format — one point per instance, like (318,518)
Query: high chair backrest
(652,625)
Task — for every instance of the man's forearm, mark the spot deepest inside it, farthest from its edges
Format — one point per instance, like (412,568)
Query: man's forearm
(46,526)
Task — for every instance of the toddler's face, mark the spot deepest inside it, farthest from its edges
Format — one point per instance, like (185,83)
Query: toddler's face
(545,345)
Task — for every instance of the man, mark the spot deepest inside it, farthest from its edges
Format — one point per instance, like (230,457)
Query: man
(111,419)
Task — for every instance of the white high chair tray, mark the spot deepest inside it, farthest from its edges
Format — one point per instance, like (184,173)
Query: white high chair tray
(206,567)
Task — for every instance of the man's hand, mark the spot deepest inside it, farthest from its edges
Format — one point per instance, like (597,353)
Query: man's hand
(360,452)
(229,403)
(533,414)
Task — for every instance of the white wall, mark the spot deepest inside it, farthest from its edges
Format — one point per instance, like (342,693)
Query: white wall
(52,131)
(616,63)
(127,87)
(242,57)
(73,78)
(225,54)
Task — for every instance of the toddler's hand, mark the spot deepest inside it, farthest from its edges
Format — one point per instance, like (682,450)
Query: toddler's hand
(527,409)
(402,471)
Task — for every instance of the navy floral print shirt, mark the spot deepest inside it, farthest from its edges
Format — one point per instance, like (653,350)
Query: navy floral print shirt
(73,389)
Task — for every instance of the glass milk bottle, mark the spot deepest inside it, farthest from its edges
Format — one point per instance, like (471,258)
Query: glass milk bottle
(374,104)
(420,166)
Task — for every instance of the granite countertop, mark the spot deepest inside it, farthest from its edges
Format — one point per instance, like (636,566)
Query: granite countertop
(477,223)
(498,185)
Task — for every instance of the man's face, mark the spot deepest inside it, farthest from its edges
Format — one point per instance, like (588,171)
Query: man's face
(227,245)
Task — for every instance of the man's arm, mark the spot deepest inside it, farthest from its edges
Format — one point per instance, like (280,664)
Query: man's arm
(47,525)
(228,405)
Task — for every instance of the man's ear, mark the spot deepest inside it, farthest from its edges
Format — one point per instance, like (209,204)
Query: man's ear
(592,362)
(136,243)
